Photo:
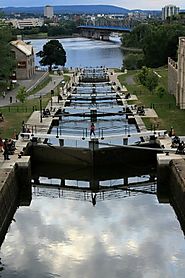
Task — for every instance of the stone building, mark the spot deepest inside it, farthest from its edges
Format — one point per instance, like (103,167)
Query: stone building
(24,56)
(176,75)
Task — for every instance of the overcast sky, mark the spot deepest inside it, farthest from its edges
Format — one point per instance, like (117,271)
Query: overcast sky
(129,4)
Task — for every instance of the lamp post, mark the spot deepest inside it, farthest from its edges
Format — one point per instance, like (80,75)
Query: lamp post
(40,98)
(52,94)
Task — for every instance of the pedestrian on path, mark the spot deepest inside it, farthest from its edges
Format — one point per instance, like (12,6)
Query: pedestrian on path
(11,99)
(4,94)
(92,129)
(6,150)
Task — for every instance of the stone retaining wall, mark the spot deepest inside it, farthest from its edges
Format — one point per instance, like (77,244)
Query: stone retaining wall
(8,199)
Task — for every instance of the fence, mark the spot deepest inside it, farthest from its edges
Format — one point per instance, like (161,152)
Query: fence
(18,109)
(163,105)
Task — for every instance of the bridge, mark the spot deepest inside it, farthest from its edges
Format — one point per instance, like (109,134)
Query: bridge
(101,32)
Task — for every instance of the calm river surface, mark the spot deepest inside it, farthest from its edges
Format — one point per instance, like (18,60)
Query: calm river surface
(61,234)
(81,52)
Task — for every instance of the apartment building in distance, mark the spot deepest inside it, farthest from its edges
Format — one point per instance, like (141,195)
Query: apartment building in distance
(24,56)
(176,75)
(169,11)
(48,12)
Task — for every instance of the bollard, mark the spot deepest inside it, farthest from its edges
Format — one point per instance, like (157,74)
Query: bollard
(125,141)
(102,134)
(61,142)
(83,136)
(57,133)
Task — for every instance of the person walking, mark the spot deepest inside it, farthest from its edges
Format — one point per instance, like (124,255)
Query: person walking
(92,129)
(6,150)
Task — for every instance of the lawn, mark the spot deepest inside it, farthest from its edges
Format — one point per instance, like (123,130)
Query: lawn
(15,114)
(169,115)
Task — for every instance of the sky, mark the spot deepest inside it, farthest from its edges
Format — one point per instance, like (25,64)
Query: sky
(129,4)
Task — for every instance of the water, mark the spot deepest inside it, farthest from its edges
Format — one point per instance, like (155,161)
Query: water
(61,234)
(120,237)
(81,52)
(75,125)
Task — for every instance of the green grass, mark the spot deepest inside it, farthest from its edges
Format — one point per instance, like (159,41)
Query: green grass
(15,114)
(40,86)
(169,115)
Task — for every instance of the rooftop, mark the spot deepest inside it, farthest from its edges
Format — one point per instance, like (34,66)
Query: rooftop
(27,49)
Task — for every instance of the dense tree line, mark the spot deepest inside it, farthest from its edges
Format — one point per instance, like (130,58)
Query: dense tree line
(157,41)
(7,60)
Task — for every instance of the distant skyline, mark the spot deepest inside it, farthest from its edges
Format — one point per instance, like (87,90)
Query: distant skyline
(128,4)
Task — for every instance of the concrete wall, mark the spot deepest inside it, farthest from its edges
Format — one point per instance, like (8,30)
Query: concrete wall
(15,188)
(172,77)
(8,199)
(177,189)
(176,75)
(181,74)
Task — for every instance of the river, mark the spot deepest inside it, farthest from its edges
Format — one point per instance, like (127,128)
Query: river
(127,234)
(82,52)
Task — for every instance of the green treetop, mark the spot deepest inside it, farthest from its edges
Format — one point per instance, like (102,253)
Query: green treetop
(53,53)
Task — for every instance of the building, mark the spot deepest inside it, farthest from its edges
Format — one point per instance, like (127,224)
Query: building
(169,11)
(24,56)
(48,11)
(26,23)
(176,75)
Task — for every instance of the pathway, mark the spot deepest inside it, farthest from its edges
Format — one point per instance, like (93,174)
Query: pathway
(28,84)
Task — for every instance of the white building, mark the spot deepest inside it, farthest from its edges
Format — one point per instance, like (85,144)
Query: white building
(169,10)
(25,23)
(48,11)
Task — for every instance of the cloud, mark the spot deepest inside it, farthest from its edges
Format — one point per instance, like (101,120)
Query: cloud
(128,237)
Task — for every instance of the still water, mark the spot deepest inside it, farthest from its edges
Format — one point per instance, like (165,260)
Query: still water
(120,237)
(81,52)
(127,234)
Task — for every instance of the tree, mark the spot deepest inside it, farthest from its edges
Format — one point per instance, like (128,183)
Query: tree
(133,61)
(160,91)
(7,60)
(52,53)
(148,78)
(21,94)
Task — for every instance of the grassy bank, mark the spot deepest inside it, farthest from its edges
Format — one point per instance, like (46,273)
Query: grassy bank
(169,115)
(15,114)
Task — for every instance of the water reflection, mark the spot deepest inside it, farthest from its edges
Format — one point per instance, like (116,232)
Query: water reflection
(94,227)
(134,237)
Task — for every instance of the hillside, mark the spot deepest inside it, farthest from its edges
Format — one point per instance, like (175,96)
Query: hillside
(70,9)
